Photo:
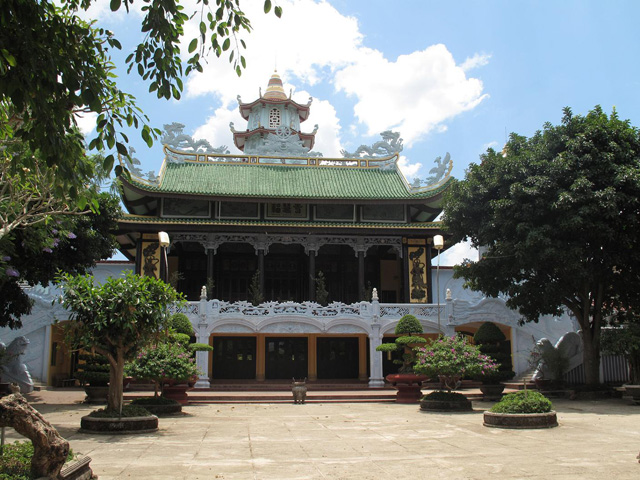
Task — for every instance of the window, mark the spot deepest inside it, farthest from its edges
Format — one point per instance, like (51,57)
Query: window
(274,118)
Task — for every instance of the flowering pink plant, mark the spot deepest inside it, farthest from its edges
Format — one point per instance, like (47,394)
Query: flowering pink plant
(451,358)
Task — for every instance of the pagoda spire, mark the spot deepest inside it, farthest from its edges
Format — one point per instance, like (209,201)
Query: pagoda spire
(275,90)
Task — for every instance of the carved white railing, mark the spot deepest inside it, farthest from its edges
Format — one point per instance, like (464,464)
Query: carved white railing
(418,311)
(363,310)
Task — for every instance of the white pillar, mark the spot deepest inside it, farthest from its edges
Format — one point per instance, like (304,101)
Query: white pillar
(202,336)
(376,379)
(202,358)
(375,338)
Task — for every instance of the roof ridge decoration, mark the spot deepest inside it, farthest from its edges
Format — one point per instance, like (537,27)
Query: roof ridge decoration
(440,174)
(174,137)
(390,144)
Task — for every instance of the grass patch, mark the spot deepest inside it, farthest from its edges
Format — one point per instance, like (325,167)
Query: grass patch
(15,463)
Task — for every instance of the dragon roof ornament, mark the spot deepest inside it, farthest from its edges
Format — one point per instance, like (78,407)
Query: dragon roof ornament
(390,144)
(174,137)
(439,173)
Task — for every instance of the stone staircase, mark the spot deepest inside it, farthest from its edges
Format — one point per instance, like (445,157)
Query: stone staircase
(519,382)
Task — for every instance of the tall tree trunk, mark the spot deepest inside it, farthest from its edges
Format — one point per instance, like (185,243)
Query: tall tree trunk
(116,374)
(590,356)
(50,450)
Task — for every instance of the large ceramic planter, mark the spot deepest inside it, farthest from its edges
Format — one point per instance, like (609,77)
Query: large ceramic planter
(455,403)
(520,420)
(177,392)
(123,425)
(409,386)
(634,392)
(492,392)
(96,394)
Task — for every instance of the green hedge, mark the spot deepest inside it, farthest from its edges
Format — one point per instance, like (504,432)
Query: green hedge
(524,401)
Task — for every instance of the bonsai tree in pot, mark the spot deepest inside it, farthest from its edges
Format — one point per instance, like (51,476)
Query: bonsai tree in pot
(169,363)
(407,381)
(449,359)
(493,343)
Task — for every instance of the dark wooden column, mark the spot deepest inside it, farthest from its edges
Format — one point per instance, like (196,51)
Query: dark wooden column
(261,269)
(406,265)
(211,272)
(429,273)
(312,275)
(361,274)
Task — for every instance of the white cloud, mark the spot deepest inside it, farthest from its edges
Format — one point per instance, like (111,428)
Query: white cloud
(478,60)
(216,129)
(86,122)
(415,94)
(492,144)
(409,170)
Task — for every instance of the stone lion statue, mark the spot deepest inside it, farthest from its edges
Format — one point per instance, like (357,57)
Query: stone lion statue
(12,369)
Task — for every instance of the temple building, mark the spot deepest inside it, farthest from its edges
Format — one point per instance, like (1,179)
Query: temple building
(280,222)
(293,264)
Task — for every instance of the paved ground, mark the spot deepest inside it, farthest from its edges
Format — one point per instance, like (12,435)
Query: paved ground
(595,440)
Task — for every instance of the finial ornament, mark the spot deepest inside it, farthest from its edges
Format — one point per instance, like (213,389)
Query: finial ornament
(374,295)
(448,294)
(203,292)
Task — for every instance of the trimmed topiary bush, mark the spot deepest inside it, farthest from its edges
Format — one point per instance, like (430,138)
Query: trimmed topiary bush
(408,329)
(94,370)
(489,332)
(492,342)
(408,325)
(524,401)
(180,323)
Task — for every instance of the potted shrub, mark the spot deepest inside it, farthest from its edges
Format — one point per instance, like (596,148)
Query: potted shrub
(406,381)
(493,343)
(449,359)
(169,365)
(93,374)
(523,409)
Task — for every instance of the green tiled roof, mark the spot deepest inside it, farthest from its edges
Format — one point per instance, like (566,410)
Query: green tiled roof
(127,218)
(278,181)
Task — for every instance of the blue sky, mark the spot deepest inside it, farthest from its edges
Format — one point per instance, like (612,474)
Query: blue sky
(450,76)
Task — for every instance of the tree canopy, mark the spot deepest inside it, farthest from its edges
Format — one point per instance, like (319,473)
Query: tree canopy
(558,215)
(35,253)
(54,66)
(117,319)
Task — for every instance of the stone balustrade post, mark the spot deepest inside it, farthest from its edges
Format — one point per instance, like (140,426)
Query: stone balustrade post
(202,336)
(375,338)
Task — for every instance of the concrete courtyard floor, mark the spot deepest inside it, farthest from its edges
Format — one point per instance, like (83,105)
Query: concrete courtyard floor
(595,440)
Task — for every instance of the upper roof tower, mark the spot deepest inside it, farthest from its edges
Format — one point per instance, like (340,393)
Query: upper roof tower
(273,124)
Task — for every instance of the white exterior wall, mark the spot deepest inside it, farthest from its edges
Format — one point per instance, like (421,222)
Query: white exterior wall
(374,319)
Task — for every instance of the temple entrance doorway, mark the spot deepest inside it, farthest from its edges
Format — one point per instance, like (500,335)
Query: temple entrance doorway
(286,357)
(338,357)
(234,357)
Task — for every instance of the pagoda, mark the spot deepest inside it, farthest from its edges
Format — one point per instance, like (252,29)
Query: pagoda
(273,124)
